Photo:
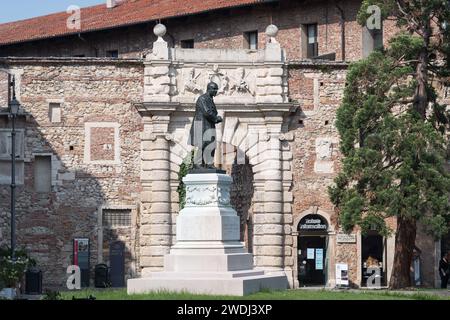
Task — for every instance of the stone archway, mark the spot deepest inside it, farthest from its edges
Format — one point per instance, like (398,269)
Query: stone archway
(254,103)
(164,147)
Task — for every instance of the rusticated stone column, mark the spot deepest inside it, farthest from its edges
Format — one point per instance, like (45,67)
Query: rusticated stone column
(156,222)
(268,207)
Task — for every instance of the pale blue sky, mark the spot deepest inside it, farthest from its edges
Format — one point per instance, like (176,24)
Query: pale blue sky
(12,10)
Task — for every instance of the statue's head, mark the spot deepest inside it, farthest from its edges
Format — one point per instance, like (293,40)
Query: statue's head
(212,89)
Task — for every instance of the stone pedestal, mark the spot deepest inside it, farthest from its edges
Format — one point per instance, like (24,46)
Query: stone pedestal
(208,257)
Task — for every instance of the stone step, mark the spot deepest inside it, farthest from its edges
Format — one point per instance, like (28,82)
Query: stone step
(208,263)
(215,286)
(206,275)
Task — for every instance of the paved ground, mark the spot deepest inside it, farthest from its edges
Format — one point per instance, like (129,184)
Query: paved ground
(439,292)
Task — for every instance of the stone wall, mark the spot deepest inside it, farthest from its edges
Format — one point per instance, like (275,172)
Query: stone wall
(91,95)
(315,146)
(3,89)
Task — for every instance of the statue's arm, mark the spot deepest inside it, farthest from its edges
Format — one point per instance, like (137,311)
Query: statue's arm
(208,112)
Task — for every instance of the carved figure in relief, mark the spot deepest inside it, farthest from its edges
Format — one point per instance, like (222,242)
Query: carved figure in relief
(217,76)
(191,82)
(239,82)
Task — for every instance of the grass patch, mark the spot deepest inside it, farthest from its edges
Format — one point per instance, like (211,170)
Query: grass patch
(121,294)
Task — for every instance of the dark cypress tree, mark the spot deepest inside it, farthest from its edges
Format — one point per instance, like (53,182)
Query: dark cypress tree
(393,132)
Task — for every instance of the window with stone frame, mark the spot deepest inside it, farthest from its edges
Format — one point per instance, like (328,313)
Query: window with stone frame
(310,42)
(187,44)
(251,40)
(5,156)
(112,54)
(116,218)
(42,173)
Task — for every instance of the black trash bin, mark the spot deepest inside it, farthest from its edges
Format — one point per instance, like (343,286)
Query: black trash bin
(101,276)
(33,281)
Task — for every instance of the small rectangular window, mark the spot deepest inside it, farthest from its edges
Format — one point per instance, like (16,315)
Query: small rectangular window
(187,44)
(79,56)
(312,45)
(112,54)
(113,218)
(5,144)
(54,112)
(43,174)
(251,40)
(5,156)
(5,172)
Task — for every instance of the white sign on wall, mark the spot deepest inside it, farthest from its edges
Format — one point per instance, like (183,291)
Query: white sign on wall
(319,259)
(342,274)
(346,238)
(310,253)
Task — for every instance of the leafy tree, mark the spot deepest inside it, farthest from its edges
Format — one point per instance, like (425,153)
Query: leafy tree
(393,132)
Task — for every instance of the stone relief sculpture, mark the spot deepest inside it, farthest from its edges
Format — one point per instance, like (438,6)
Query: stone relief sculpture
(191,81)
(231,82)
(239,83)
(205,195)
(324,149)
(217,76)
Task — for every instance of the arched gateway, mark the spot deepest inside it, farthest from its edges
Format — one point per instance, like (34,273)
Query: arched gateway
(253,102)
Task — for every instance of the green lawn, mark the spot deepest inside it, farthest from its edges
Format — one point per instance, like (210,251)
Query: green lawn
(121,294)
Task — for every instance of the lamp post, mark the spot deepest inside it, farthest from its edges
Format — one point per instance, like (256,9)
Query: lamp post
(14,106)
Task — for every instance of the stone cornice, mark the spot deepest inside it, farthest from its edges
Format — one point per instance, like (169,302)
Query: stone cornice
(68,61)
(297,64)
(238,108)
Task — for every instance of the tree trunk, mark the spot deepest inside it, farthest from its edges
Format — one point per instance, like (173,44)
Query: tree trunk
(405,239)
(421,97)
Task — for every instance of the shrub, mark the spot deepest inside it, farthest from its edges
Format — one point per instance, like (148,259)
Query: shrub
(12,271)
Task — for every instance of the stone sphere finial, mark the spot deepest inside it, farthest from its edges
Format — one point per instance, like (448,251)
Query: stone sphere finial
(272,30)
(160,30)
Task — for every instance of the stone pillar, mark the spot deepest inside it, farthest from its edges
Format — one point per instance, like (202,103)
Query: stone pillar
(268,208)
(271,83)
(158,84)
(156,222)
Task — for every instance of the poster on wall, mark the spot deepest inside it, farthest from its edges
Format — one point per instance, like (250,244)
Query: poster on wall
(81,258)
(310,253)
(319,259)
(342,274)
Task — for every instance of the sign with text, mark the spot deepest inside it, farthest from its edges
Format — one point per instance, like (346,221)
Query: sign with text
(319,259)
(310,253)
(342,274)
(313,222)
(81,258)
(346,238)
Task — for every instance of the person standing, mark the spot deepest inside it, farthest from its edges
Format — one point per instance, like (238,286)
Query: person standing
(444,271)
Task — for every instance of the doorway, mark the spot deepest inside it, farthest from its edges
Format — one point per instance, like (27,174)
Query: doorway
(373,261)
(312,250)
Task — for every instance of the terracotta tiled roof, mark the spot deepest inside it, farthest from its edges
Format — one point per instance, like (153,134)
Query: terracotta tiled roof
(99,17)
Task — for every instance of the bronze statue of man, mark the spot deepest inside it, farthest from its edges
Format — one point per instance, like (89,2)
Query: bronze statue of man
(203,129)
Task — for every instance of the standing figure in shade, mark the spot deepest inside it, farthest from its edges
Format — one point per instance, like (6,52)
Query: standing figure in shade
(444,270)
(203,129)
